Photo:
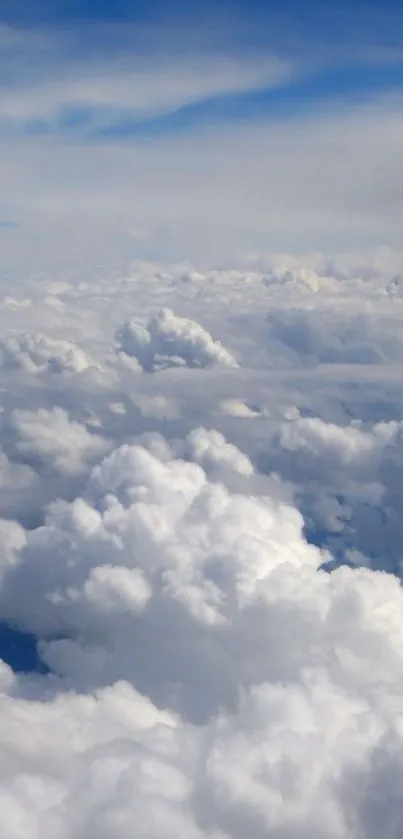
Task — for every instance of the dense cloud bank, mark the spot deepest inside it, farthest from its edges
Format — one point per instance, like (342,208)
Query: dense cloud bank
(207,558)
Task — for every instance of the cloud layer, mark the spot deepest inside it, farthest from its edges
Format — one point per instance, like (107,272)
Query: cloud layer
(212,603)
(201,459)
(207,558)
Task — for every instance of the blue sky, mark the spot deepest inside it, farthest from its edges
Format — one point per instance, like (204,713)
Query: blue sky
(333,50)
(302,11)
(92,78)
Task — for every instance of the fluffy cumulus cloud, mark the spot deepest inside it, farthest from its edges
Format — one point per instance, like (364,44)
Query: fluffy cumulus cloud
(347,480)
(212,661)
(39,353)
(170,341)
(302,278)
(55,439)
(207,560)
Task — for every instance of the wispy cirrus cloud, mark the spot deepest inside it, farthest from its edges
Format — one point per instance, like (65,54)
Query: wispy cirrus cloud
(137,90)
(206,141)
(330,180)
(48,80)
(110,80)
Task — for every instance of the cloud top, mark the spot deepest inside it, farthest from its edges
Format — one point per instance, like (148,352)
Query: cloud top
(170,341)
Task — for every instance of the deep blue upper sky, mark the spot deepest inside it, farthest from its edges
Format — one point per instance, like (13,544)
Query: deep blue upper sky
(17,10)
(313,18)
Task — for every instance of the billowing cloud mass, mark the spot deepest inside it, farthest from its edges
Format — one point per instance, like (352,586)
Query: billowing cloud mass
(56,440)
(206,560)
(39,353)
(170,341)
(281,274)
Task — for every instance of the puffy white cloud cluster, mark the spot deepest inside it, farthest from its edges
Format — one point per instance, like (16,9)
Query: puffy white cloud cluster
(37,353)
(150,525)
(336,444)
(196,555)
(170,341)
(347,480)
(205,662)
(302,278)
(56,440)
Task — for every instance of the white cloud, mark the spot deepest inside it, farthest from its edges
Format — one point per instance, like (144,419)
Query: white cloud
(170,341)
(334,337)
(322,439)
(321,194)
(49,74)
(200,657)
(158,406)
(302,278)
(198,549)
(58,441)
(210,449)
(114,589)
(38,353)
(137,88)
(235,408)
(317,659)
(163,536)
